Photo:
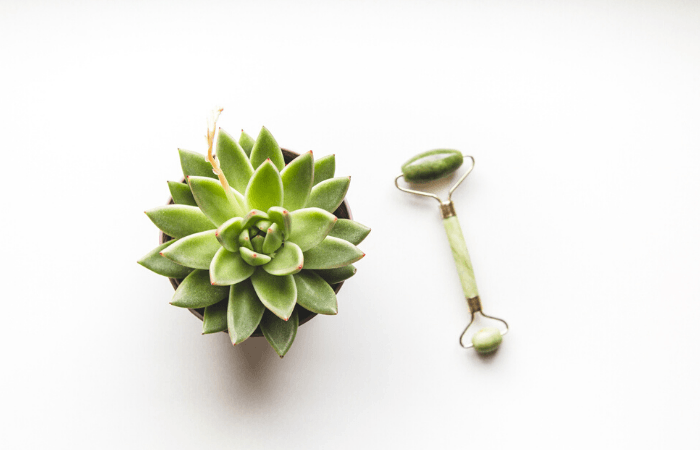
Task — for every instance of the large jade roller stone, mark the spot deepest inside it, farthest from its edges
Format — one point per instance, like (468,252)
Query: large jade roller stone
(431,165)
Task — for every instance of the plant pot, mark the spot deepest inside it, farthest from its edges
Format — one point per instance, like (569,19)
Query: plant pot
(343,212)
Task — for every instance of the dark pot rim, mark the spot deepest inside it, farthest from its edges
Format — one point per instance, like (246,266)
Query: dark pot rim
(343,212)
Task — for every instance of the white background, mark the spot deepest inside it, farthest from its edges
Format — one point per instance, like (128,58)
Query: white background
(581,217)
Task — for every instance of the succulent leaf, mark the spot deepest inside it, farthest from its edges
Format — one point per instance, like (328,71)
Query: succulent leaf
(288,260)
(229,268)
(281,217)
(244,240)
(333,276)
(254,217)
(213,201)
(266,147)
(244,312)
(257,242)
(324,169)
(179,220)
(227,234)
(247,142)
(265,188)
(196,250)
(254,258)
(277,293)
(234,161)
(314,294)
(195,164)
(196,291)
(349,230)
(297,179)
(215,317)
(280,334)
(311,226)
(263,225)
(331,253)
(181,193)
(273,239)
(329,194)
(155,262)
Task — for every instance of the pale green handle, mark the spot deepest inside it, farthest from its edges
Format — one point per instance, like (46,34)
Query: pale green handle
(461,256)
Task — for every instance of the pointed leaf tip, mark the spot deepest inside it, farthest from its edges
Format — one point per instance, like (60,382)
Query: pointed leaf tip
(310,227)
(195,291)
(265,189)
(298,178)
(277,293)
(195,251)
(213,200)
(266,147)
(329,194)
(157,263)
(244,312)
(279,332)
(332,253)
(315,294)
(349,230)
(234,161)
(288,260)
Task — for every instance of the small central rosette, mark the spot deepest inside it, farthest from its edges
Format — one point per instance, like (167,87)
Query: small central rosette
(260,239)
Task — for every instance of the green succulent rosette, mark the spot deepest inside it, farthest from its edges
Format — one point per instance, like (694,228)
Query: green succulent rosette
(258,241)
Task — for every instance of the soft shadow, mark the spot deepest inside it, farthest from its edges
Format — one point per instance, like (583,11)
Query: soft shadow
(487,357)
(247,372)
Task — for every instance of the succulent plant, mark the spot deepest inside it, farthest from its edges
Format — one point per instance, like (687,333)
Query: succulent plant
(254,240)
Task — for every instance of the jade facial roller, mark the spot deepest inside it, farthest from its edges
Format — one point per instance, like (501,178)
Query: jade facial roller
(429,166)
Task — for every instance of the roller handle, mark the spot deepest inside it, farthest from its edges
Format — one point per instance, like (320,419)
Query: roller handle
(461,257)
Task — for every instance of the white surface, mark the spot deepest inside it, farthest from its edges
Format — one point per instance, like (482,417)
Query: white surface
(581,218)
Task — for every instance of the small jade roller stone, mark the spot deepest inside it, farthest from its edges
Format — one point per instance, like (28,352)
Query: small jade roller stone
(431,165)
(487,340)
